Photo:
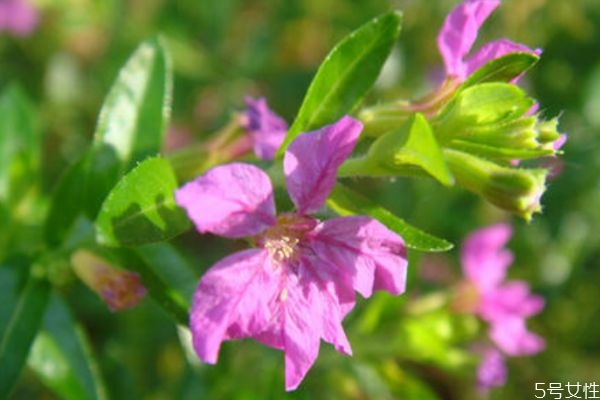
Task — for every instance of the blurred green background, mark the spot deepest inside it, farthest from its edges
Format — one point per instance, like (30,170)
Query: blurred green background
(227,49)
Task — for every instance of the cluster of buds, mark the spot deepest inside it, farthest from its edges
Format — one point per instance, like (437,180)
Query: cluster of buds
(474,129)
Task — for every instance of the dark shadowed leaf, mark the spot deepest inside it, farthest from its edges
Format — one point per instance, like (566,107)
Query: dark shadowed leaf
(62,358)
(21,313)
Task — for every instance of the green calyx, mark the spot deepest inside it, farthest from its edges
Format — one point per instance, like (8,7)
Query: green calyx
(493,120)
(517,190)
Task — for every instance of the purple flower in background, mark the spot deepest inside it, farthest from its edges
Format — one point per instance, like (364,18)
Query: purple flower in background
(296,286)
(18,17)
(492,369)
(459,32)
(504,305)
(266,129)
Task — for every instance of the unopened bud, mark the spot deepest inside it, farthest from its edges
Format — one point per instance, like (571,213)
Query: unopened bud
(118,288)
(494,120)
(517,190)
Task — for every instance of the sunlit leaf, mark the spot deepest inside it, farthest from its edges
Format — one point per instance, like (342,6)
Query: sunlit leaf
(346,201)
(132,122)
(141,208)
(480,107)
(411,146)
(131,126)
(346,74)
(495,152)
(502,69)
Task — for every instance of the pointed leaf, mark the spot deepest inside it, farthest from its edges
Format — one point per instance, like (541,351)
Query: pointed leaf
(132,121)
(141,208)
(410,150)
(61,356)
(419,148)
(346,201)
(131,126)
(502,69)
(346,74)
(20,318)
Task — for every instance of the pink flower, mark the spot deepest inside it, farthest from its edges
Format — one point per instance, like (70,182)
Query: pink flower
(504,305)
(492,369)
(18,17)
(296,286)
(459,32)
(266,129)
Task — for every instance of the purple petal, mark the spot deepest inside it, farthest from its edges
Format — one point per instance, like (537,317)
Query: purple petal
(371,256)
(492,370)
(267,129)
(558,143)
(290,307)
(311,161)
(493,50)
(18,17)
(460,31)
(513,338)
(312,311)
(484,258)
(510,299)
(235,298)
(233,200)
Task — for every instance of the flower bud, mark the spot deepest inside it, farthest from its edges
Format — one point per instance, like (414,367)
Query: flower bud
(119,289)
(493,120)
(517,190)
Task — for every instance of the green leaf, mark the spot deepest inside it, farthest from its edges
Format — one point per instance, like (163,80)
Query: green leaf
(345,201)
(20,318)
(135,113)
(501,153)
(132,122)
(174,302)
(62,358)
(481,105)
(141,208)
(346,74)
(413,145)
(171,267)
(66,203)
(131,126)
(502,69)
(19,146)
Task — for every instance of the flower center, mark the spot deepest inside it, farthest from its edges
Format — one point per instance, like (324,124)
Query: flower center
(284,239)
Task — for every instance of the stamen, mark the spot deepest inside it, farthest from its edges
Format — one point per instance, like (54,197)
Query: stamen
(284,295)
(281,249)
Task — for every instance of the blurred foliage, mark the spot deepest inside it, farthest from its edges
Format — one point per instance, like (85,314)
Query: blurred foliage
(224,50)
